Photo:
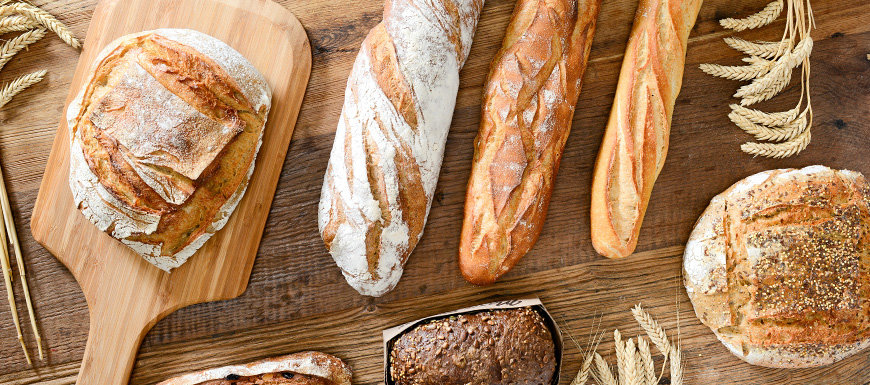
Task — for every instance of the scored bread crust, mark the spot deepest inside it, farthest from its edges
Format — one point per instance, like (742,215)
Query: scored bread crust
(778,266)
(310,363)
(531,92)
(132,224)
(389,143)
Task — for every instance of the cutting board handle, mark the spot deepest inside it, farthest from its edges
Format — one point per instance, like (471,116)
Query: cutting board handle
(113,341)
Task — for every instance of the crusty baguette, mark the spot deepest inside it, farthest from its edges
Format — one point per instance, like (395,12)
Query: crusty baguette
(533,85)
(304,368)
(636,141)
(389,144)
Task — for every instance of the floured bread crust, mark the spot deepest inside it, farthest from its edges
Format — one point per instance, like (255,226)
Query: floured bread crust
(778,266)
(163,140)
(298,368)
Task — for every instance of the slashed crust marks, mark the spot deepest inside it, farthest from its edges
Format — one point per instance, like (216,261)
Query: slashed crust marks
(640,119)
(205,85)
(529,102)
(382,55)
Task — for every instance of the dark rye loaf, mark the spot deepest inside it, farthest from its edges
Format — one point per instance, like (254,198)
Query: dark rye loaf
(511,346)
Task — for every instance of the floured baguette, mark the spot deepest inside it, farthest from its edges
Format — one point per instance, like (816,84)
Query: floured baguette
(163,138)
(306,368)
(390,140)
(636,141)
(533,86)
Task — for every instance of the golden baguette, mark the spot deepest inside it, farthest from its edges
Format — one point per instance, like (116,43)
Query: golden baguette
(533,85)
(636,140)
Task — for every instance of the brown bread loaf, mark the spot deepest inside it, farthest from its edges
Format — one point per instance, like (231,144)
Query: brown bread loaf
(636,140)
(533,86)
(778,266)
(497,347)
(305,368)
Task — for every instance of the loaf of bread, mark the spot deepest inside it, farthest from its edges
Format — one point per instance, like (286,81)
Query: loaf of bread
(636,140)
(533,85)
(779,267)
(163,139)
(496,347)
(306,368)
(389,144)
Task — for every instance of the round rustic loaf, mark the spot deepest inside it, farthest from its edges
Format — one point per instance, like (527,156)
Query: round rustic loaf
(163,139)
(778,266)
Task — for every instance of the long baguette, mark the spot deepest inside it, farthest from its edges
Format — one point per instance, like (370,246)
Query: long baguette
(531,92)
(389,144)
(636,141)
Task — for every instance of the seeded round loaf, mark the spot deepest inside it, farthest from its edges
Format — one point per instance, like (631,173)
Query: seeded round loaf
(497,347)
(163,139)
(778,266)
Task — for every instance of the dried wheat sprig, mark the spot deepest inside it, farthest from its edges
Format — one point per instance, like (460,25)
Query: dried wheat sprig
(741,73)
(16,23)
(7,278)
(770,119)
(45,19)
(774,134)
(764,17)
(602,373)
(20,42)
(764,49)
(628,360)
(771,83)
(649,370)
(588,355)
(656,333)
(638,370)
(620,359)
(19,84)
(778,150)
(676,366)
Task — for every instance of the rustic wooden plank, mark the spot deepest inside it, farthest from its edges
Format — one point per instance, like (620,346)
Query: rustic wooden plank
(295,285)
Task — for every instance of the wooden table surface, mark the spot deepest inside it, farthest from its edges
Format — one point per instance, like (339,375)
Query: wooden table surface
(297,298)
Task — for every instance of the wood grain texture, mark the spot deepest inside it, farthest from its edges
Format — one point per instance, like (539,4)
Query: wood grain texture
(125,294)
(297,298)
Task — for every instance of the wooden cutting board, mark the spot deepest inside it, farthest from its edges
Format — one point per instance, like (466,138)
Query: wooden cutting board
(126,295)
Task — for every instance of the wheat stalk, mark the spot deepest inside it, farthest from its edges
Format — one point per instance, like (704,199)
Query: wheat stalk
(764,49)
(770,119)
(760,19)
(16,23)
(585,369)
(20,84)
(649,371)
(20,42)
(656,333)
(742,73)
(44,18)
(778,150)
(602,373)
(676,366)
(774,134)
(772,82)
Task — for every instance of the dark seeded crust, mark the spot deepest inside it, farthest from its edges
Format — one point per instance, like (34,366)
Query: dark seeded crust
(283,378)
(304,368)
(494,347)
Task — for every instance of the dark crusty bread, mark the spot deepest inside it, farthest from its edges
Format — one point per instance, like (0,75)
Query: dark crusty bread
(304,368)
(778,266)
(512,346)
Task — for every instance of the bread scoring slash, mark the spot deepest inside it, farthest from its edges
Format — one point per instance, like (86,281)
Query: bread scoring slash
(390,139)
(778,266)
(163,139)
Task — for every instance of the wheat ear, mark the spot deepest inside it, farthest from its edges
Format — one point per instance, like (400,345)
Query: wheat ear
(638,368)
(741,73)
(774,134)
(602,373)
(16,23)
(764,17)
(676,366)
(656,333)
(778,150)
(588,356)
(649,370)
(45,19)
(770,119)
(20,84)
(765,49)
(767,86)
(20,42)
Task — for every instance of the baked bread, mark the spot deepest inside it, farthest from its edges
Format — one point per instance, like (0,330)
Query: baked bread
(779,267)
(163,139)
(389,144)
(495,347)
(533,85)
(305,368)
(636,140)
